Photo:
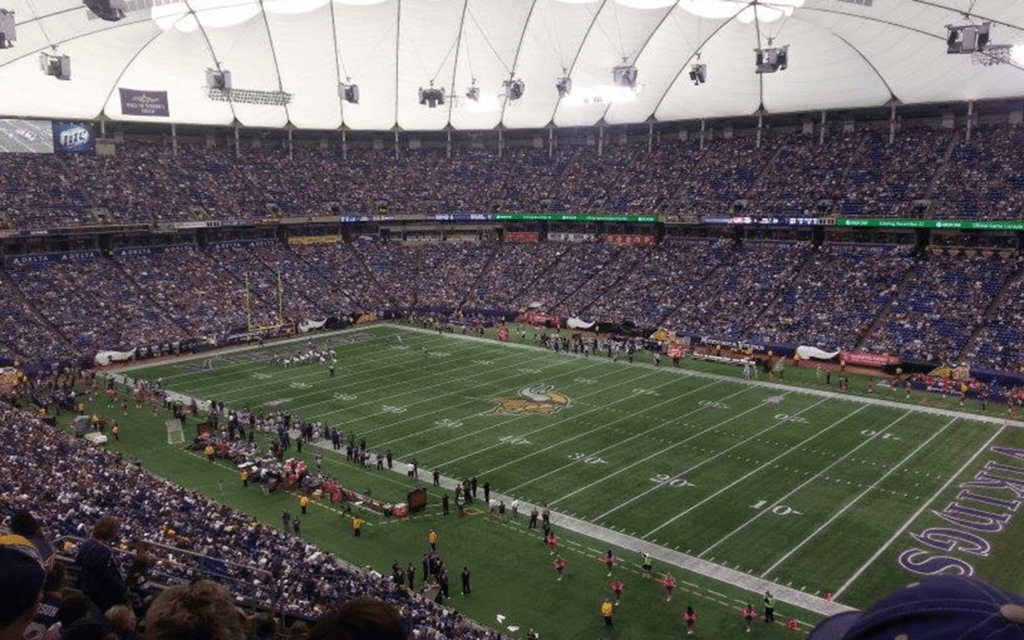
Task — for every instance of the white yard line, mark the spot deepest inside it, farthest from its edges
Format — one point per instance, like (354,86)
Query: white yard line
(447,407)
(917,513)
(243,348)
(596,429)
(775,386)
(347,368)
(320,371)
(550,425)
(375,389)
(849,504)
(805,482)
(658,453)
(697,466)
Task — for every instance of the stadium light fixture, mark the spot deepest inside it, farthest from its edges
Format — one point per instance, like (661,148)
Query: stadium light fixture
(8,32)
(564,86)
(624,75)
(109,10)
(54,65)
(699,73)
(349,92)
(514,89)
(771,59)
(431,96)
(968,38)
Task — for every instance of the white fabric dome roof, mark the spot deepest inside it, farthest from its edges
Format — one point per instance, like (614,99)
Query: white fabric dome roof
(842,54)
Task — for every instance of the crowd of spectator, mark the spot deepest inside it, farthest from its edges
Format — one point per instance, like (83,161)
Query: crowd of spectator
(22,332)
(1000,343)
(92,303)
(879,298)
(832,301)
(354,290)
(804,173)
(651,291)
(727,302)
(130,518)
(983,178)
(859,173)
(514,268)
(940,306)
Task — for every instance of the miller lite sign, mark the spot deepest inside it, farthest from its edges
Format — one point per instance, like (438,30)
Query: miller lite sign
(74,137)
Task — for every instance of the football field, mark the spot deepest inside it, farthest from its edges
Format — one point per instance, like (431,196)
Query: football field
(732,485)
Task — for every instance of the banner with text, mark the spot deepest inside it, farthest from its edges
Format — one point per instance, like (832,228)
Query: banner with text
(144,103)
(302,240)
(561,236)
(629,239)
(867,359)
(522,236)
(68,256)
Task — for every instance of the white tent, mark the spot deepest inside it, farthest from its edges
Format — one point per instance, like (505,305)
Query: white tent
(842,54)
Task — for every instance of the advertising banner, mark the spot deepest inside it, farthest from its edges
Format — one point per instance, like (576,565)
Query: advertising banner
(867,359)
(74,137)
(144,103)
(301,240)
(522,236)
(68,256)
(629,239)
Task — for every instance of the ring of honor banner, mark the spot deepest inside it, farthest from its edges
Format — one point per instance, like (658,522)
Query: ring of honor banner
(144,103)
(74,137)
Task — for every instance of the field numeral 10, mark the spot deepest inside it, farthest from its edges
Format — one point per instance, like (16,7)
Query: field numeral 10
(779,509)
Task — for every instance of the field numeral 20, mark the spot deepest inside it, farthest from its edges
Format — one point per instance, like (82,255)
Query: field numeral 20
(667,480)
(779,509)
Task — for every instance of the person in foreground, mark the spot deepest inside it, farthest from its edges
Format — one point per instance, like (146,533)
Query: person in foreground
(937,608)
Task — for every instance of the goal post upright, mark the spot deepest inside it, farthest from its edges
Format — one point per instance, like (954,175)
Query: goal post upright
(248,305)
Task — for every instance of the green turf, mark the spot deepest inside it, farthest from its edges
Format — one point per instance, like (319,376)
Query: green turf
(808,492)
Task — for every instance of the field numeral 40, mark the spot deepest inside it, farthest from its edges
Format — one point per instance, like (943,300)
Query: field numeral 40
(514,440)
(779,509)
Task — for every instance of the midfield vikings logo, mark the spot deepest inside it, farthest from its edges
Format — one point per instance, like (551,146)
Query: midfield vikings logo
(538,400)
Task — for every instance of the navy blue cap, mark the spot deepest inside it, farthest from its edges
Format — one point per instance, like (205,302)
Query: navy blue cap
(939,608)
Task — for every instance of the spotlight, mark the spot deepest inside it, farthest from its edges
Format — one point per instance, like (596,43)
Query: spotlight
(109,10)
(57,66)
(564,86)
(699,73)
(8,34)
(218,79)
(624,75)
(967,38)
(514,88)
(349,92)
(771,59)
(431,96)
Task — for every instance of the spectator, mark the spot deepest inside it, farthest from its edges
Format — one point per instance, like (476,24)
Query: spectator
(23,578)
(100,578)
(202,610)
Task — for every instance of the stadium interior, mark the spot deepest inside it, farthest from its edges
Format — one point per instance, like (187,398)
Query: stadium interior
(273,176)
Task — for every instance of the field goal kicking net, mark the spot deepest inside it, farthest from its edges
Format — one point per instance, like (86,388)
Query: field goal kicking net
(175,434)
